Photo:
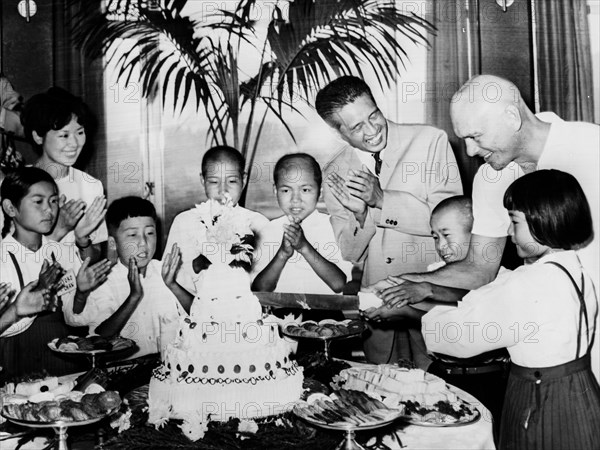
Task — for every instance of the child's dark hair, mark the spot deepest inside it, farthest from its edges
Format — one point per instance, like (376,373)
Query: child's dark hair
(557,211)
(220,151)
(462,203)
(52,110)
(16,185)
(339,93)
(287,161)
(127,208)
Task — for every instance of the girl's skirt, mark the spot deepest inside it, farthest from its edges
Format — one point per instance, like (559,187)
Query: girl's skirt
(551,408)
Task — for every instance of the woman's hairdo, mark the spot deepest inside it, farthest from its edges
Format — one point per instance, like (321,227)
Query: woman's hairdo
(52,110)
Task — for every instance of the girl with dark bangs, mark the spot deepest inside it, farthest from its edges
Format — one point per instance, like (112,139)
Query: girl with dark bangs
(544,313)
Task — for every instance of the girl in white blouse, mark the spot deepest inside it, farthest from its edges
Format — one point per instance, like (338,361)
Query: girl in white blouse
(30,262)
(544,313)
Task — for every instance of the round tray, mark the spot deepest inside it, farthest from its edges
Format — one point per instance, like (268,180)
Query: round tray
(351,427)
(56,423)
(325,338)
(52,346)
(459,423)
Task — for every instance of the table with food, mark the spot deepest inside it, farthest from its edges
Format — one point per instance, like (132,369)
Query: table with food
(231,376)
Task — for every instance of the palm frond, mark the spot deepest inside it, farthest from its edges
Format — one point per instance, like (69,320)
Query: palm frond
(154,42)
(198,61)
(325,38)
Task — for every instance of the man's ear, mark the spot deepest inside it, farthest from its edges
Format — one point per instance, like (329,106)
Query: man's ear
(244,180)
(275,189)
(10,209)
(201,178)
(112,244)
(39,140)
(513,116)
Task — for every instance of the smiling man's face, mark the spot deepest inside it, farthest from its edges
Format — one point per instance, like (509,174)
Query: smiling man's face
(362,125)
(486,133)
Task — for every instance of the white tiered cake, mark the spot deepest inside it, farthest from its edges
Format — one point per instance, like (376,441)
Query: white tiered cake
(228,360)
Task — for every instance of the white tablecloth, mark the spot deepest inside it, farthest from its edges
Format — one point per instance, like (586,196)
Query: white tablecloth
(476,436)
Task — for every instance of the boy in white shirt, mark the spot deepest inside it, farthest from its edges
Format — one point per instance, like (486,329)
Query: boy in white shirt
(138,291)
(223,178)
(451,224)
(298,252)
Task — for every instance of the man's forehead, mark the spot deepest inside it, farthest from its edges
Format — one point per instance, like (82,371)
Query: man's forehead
(355,112)
(466,118)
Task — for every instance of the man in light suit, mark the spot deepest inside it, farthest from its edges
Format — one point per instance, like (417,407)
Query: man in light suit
(380,190)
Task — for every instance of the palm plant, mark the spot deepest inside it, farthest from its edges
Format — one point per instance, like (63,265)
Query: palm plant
(198,61)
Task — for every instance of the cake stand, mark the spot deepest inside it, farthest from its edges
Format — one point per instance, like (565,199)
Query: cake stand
(93,355)
(326,339)
(60,426)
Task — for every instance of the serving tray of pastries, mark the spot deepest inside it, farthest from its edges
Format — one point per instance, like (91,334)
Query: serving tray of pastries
(51,401)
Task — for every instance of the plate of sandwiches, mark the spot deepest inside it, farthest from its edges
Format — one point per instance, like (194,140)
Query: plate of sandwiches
(344,410)
(325,329)
(90,344)
(426,399)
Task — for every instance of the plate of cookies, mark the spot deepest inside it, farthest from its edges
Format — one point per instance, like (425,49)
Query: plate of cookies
(90,344)
(326,329)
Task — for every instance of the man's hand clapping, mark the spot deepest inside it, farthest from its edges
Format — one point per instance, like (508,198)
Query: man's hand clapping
(341,192)
(363,184)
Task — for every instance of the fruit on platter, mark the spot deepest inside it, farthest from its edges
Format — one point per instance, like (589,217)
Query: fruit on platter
(89,406)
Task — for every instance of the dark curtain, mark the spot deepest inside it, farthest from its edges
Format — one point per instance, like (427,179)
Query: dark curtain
(449,63)
(67,61)
(564,59)
(83,78)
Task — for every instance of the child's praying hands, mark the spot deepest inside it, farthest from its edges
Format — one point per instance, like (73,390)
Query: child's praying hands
(294,234)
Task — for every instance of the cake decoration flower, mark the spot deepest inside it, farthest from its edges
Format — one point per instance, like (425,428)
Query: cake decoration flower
(122,422)
(228,237)
(158,412)
(193,427)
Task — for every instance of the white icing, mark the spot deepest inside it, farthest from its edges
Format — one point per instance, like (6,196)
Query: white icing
(227,359)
